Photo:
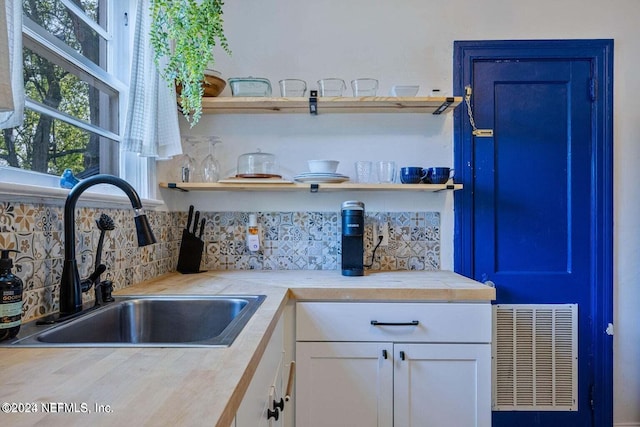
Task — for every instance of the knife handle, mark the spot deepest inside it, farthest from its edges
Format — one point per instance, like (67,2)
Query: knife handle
(189,217)
(202,221)
(196,219)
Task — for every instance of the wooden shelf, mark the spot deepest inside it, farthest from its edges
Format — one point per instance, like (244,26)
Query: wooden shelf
(347,186)
(367,104)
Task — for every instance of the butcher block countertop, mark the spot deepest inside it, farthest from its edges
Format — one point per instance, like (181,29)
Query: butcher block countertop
(190,386)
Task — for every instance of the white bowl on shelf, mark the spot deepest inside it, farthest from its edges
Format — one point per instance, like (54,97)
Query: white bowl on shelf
(404,90)
(323,166)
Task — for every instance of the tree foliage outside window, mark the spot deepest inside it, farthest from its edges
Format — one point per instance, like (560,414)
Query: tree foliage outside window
(49,144)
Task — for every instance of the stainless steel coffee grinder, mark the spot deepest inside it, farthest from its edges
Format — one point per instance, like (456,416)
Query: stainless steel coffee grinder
(352,238)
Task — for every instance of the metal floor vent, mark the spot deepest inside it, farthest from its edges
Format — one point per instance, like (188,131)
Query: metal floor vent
(535,357)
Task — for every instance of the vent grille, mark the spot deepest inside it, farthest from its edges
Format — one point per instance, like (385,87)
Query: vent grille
(535,357)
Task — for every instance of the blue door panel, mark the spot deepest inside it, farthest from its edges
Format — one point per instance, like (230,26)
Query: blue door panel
(532,203)
(520,141)
(535,215)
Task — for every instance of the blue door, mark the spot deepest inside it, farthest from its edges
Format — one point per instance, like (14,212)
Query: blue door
(535,215)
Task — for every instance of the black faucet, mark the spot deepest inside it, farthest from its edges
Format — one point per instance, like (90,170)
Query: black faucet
(70,284)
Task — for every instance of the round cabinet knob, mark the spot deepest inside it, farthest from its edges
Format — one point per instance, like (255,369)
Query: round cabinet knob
(275,414)
(279,405)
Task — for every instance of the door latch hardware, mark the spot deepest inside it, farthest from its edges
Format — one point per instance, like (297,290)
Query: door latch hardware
(402,356)
(384,354)
(483,133)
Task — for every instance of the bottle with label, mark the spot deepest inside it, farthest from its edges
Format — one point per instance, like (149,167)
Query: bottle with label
(253,236)
(11,302)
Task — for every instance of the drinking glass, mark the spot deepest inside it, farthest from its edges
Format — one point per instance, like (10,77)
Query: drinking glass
(386,171)
(363,171)
(331,87)
(364,87)
(292,87)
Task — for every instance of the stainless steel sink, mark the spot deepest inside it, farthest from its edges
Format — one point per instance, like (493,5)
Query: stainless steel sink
(152,321)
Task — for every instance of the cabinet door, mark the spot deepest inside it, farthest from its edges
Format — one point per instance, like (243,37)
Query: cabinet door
(341,384)
(442,385)
(266,382)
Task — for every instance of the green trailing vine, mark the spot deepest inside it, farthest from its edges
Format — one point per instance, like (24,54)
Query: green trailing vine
(185,32)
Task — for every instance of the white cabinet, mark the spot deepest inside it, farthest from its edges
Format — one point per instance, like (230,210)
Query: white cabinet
(263,403)
(265,386)
(343,384)
(440,385)
(393,364)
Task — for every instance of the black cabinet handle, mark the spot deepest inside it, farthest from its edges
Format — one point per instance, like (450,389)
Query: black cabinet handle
(401,357)
(412,323)
(275,414)
(384,354)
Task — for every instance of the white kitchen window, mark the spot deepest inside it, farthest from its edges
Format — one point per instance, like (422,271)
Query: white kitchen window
(76,69)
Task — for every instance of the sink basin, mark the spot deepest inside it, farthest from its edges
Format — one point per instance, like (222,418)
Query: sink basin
(154,321)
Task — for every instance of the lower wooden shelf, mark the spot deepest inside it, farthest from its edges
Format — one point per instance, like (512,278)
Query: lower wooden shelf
(321,187)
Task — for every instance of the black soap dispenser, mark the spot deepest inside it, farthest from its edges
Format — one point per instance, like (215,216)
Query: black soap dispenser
(11,302)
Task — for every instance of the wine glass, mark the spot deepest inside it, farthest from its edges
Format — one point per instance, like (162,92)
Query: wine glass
(187,162)
(210,167)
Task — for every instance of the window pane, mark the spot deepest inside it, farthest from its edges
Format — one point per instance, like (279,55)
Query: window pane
(48,145)
(54,17)
(55,87)
(92,8)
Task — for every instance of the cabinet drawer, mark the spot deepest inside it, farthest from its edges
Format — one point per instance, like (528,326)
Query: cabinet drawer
(436,322)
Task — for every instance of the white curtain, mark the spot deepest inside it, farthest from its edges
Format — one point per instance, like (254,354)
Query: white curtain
(151,128)
(11,80)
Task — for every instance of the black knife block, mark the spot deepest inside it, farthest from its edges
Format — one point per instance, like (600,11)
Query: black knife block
(190,254)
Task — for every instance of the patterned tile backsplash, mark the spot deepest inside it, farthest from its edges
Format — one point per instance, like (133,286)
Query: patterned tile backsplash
(289,241)
(37,231)
(311,241)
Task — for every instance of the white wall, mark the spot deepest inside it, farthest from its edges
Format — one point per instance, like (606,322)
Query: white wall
(411,42)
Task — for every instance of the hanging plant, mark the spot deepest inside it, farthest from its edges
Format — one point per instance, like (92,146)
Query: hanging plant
(185,32)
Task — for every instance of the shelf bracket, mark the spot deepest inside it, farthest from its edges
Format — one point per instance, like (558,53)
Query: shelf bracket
(448,187)
(174,186)
(443,107)
(314,188)
(313,102)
